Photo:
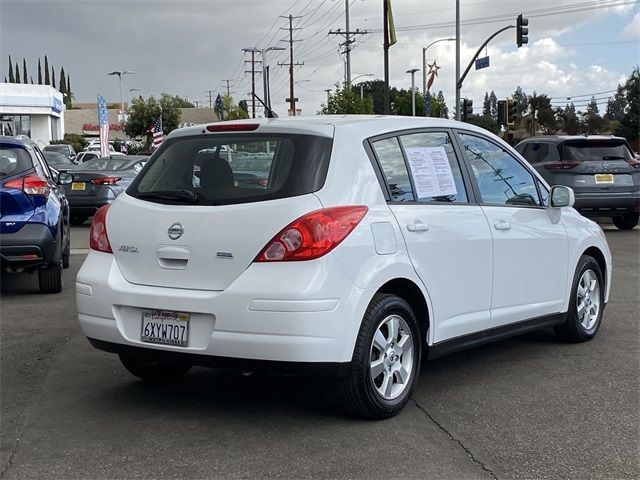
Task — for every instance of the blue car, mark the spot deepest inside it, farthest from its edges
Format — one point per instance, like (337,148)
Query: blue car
(34,214)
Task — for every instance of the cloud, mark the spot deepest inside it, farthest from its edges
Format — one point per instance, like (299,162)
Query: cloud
(633,27)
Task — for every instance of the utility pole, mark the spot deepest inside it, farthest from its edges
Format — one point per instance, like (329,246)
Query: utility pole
(228,87)
(253,77)
(385,12)
(347,43)
(412,72)
(210,92)
(292,99)
(197,103)
(328,90)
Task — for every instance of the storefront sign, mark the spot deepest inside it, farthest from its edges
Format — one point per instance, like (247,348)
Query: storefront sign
(94,128)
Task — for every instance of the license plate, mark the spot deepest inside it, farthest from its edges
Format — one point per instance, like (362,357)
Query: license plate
(166,328)
(604,178)
(77,186)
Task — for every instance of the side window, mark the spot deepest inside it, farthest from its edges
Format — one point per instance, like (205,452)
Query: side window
(395,171)
(502,180)
(39,164)
(434,167)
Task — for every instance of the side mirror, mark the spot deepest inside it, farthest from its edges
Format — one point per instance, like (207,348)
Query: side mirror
(562,196)
(64,178)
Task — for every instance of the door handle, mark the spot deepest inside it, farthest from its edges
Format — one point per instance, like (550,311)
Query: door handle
(418,227)
(502,225)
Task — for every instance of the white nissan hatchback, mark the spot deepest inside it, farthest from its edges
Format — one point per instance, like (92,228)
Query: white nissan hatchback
(351,246)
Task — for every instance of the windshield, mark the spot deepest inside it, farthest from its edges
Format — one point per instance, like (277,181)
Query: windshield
(57,148)
(101,164)
(226,169)
(585,150)
(13,160)
(56,158)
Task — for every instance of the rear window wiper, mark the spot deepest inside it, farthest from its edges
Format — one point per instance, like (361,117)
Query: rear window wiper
(185,196)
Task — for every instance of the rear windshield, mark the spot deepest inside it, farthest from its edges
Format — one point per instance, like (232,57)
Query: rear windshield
(101,164)
(13,160)
(57,148)
(227,169)
(585,150)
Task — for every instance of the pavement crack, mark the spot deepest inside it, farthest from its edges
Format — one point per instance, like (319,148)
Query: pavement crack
(455,440)
(10,461)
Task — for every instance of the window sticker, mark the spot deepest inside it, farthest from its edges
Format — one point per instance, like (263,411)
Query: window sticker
(431,171)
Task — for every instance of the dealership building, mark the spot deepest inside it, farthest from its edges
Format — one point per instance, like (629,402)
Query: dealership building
(33,110)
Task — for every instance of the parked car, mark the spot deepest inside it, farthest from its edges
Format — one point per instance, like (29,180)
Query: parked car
(374,242)
(34,214)
(98,182)
(602,170)
(62,148)
(58,161)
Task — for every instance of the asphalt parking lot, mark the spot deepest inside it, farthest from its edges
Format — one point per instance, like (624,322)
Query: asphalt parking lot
(529,407)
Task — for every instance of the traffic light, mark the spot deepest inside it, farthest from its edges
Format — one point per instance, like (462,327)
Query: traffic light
(467,109)
(502,110)
(511,112)
(522,31)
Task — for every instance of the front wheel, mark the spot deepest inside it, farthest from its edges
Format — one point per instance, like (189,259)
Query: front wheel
(586,303)
(154,369)
(386,360)
(626,222)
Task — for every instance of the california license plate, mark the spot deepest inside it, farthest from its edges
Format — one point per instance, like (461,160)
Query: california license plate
(165,327)
(604,178)
(77,186)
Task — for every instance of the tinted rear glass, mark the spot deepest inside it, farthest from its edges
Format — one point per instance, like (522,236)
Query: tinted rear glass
(57,148)
(585,150)
(229,169)
(101,164)
(13,160)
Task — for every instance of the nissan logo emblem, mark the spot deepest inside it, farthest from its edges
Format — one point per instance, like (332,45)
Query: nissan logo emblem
(175,231)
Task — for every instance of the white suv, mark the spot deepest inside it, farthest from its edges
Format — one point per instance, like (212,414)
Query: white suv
(351,246)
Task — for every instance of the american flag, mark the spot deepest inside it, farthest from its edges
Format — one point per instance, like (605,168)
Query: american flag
(158,136)
(103,119)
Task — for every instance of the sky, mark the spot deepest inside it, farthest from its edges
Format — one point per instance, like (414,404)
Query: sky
(190,47)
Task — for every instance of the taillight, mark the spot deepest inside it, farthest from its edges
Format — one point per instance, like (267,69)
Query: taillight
(106,181)
(312,235)
(31,185)
(232,127)
(562,165)
(98,238)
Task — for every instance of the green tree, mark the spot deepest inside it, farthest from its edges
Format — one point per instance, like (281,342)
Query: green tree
(442,106)
(18,74)
(616,105)
(486,105)
(232,111)
(46,71)
(630,123)
(63,83)
(182,102)
(494,105)
(77,141)
(25,77)
(143,114)
(569,120)
(520,102)
(39,72)
(542,115)
(345,100)
(592,122)
(12,79)
(486,122)
(53,77)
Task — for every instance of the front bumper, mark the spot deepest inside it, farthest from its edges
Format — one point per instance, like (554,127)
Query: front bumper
(609,204)
(30,247)
(300,312)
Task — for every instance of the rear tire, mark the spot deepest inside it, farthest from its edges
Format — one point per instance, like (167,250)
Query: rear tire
(586,303)
(386,360)
(626,222)
(78,219)
(50,278)
(154,369)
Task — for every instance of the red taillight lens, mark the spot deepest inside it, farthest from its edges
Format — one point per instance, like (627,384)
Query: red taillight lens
(106,181)
(232,127)
(312,235)
(562,165)
(98,238)
(31,185)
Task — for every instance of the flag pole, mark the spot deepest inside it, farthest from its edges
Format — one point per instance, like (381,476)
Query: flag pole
(385,16)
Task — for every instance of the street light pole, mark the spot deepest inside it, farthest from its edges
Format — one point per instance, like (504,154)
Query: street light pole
(413,90)
(424,62)
(361,86)
(129,96)
(120,73)
(265,74)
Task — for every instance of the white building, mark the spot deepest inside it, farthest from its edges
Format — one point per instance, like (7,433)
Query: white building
(33,110)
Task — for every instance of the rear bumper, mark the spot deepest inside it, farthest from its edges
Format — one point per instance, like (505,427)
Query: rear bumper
(264,315)
(81,204)
(31,246)
(609,204)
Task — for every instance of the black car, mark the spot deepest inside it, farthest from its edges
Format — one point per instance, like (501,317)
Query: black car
(603,172)
(62,148)
(34,214)
(58,161)
(98,182)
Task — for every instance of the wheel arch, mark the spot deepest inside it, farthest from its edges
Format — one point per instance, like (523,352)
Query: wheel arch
(413,295)
(599,257)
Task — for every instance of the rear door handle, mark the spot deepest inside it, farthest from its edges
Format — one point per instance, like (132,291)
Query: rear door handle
(502,225)
(418,226)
